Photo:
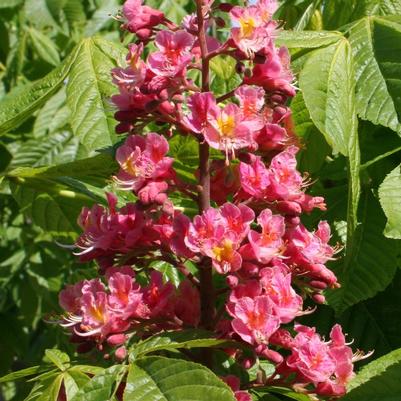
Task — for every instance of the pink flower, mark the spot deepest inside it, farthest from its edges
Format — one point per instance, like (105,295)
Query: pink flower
(70,297)
(310,356)
(254,320)
(203,109)
(275,74)
(132,76)
(237,219)
(140,17)
(125,298)
(205,230)
(228,131)
(251,100)
(223,252)
(108,231)
(173,55)
(306,247)
(269,242)
(254,177)
(143,160)
(159,297)
(252,28)
(276,284)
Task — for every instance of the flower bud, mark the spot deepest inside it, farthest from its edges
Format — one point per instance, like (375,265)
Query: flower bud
(319,298)
(225,7)
(240,68)
(121,353)
(320,285)
(220,22)
(116,339)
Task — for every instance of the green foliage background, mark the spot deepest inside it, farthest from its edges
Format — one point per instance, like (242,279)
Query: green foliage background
(56,146)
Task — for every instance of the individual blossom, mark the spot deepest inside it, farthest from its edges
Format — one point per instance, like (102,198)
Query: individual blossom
(310,251)
(173,55)
(140,17)
(228,131)
(268,243)
(276,284)
(143,160)
(274,74)
(134,74)
(108,231)
(310,356)
(125,298)
(254,177)
(251,28)
(159,296)
(251,100)
(254,319)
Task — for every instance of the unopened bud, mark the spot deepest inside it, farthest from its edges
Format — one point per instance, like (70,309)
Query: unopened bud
(319,298)
(226,7)
(320,285)
(240,68)
(220,22)
(278,98)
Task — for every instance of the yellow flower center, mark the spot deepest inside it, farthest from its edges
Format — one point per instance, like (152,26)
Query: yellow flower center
(226,125)
(247,26)
(129,167)
(224,251)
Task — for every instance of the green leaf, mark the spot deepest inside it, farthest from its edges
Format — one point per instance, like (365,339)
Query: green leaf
(101,17)
(177,339)
(45,48)
(5,157)
(16,107)
(390,200)
(58,358)
(377,381)
(307,39)
(164,379)
(19,374)
(52,205)
(88,91)
(10,3)
(289,394)
(74,380)
(376,46)
(372,260)
(61,147)
(100,387)
(327,85)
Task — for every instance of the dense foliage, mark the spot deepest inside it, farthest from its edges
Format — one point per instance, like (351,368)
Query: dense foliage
(57,155)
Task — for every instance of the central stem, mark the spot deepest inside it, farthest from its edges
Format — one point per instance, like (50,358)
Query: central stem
(205,274)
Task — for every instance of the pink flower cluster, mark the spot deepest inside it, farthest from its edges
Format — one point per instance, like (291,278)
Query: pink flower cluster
(266,263)
(116,311)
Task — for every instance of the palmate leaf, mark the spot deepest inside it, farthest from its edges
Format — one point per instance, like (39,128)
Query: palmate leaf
(307,39)
(372,260)
(328,86)
(61,147)
(44,46)
(100,387)
(390,200)
(88,91)
(16,107)
(175,340)
(376,46)
(377,381)
(165,379)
